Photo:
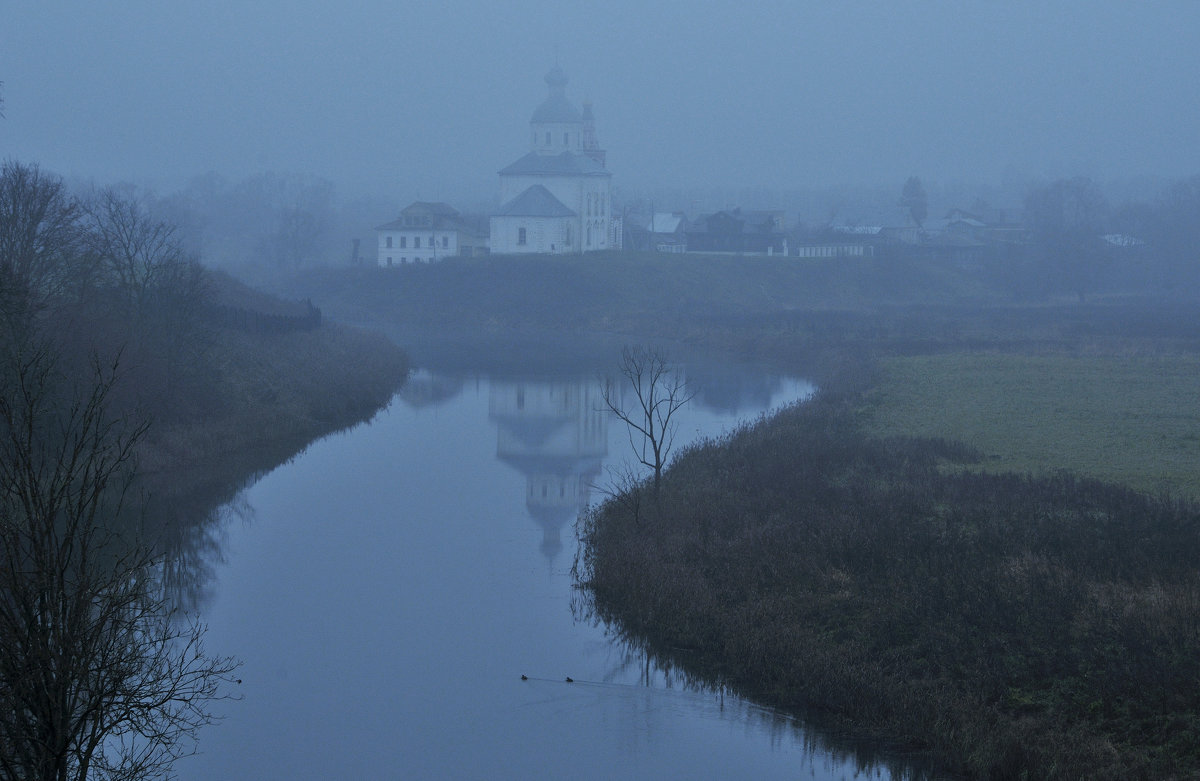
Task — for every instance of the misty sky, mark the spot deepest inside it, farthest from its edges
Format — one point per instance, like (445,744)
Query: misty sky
(430,98)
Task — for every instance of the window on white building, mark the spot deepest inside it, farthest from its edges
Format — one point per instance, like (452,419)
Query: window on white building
(445,242)
(403,242)
(521,236)
(416,242)
(389,242)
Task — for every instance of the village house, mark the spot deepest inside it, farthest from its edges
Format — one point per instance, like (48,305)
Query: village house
(658,232)
(739,232)
(426,233)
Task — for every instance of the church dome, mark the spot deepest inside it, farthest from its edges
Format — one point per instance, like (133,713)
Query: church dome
(556,79)
(556,108)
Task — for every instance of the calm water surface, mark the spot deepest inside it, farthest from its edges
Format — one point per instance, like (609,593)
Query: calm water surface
(388,588)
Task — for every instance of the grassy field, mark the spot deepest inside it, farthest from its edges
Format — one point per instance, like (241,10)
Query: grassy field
(1131,419)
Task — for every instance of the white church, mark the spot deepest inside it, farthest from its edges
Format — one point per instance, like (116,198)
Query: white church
(557,199)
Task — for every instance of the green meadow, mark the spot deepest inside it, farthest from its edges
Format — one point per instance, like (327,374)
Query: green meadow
(1133,419)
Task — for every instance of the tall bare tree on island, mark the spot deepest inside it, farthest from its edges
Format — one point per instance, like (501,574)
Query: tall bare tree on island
(658,393)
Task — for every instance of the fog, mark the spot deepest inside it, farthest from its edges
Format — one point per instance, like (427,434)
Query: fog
(430,99)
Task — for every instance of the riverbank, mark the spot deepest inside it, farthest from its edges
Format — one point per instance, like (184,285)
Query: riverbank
(813,317)
(225,370)
(275,392)
(1005,625)
(265,396)
(922,556)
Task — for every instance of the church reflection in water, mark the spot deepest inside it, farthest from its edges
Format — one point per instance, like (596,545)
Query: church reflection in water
(555,433)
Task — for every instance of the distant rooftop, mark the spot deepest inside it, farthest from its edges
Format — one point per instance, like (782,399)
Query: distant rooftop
(555,165)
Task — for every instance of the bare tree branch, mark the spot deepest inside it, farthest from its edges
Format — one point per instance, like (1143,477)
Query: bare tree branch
(99,677)
(40,241)
(658,392)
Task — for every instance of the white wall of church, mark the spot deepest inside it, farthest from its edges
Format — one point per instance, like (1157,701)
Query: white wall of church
(588,196)
(552,138)
(533,235)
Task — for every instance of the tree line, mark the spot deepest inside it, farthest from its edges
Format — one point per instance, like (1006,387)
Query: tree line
(1079,243)
(100,677)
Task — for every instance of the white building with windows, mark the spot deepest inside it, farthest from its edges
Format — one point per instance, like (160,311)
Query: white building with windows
(557,198)
(426,233)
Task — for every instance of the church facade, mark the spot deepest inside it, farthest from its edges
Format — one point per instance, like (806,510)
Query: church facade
(557,198)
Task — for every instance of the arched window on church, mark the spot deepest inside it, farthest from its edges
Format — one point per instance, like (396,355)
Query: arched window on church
(589,235)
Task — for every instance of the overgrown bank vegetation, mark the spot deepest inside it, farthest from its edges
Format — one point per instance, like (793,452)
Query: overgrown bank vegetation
(1010,626)
(118,351)
(214,366)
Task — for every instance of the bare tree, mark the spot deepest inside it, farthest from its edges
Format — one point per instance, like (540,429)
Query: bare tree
(99,677)
(160,290)
(658,392)
(40,243)
(138,253)
(298,212)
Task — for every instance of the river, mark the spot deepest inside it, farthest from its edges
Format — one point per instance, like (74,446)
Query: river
(388,588)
